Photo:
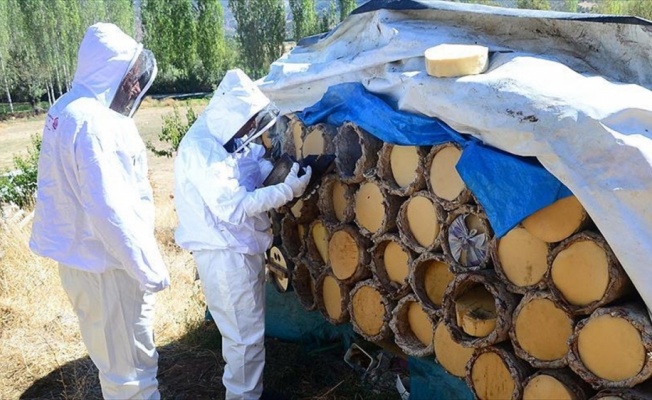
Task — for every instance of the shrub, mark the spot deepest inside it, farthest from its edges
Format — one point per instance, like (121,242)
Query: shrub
(18,185)
(173,130)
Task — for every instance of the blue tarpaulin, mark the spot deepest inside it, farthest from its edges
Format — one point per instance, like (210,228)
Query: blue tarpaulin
(508,187)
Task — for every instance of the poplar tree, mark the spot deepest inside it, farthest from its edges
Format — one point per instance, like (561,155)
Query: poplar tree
(304,18)
(346,6)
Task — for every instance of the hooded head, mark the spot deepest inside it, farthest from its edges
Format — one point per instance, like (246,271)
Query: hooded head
(113,68)
(235,102)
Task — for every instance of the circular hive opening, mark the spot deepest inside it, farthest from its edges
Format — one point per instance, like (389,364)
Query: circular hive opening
(586,262)
(445,181)
(320,239)
(313,143)
(611,348)
(340,201)
(557,221)
(404,161)
(343,253)
(475,311)
(368,310)
(397,262)
(436,278)
(332,297)
(491,377)
(523,257)
(420,323)
(546,387)
(542,329)
(348,151)
(450,354)
(423,220)
(369,207)
(468,239)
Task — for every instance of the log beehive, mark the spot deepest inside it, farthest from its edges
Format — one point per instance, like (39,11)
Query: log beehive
(318,139)
(466,237)
(370,310)
(429,277)
(555,384)
(521,260)
(336,200)
(557,221)
(613,347)
(303,283)
(391,261)
(494,372)
(638,393)
(317,242)
(332,298)
(413,328)
(348,255)
(292,142)
(305,209)
(478,309)
(401,169)
(442,178)
(420,220)
(356,153)
(292,236)
(540,331)
(375,209)
(451,355)
(587,258)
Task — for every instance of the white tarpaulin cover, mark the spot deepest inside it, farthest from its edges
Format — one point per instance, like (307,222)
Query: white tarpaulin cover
(570,90)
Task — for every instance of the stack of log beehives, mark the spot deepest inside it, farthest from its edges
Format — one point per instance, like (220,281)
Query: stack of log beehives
(394,242)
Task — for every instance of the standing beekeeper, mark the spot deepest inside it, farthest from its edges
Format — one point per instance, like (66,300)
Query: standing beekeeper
(223,220)
(95,212)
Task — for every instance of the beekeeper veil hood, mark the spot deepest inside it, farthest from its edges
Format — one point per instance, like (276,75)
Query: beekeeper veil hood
(113,68)
(236,102)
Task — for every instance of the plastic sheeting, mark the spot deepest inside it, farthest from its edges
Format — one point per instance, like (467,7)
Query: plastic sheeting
(571,92)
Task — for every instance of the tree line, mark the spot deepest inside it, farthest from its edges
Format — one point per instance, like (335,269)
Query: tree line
(39,38)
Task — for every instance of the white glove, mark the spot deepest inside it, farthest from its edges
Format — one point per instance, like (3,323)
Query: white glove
(298,184)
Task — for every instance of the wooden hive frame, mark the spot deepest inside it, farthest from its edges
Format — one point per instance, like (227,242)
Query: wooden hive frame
(368,298)
(390,157)
(408,312)
(357,153)
(638,320)
(333,211)
(422,274)
(617,282)
(480,384)
(526,346)
(504,305)
(470,215)
(433,174)
(526,271)
(417,241)
(379,250)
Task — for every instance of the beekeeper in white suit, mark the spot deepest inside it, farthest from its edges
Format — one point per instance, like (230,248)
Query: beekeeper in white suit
(222,212)
(95,213)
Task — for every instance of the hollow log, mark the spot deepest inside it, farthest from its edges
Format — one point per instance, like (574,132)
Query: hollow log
(347,254)
(520,260)
(429,277)
(317,242)
(442,178)
(357,153)
(495,372)
(303,283)
(451,355)
(420,220)
(478,310)
(401,169)
(558,221)
(318,139)
(465,240)
(587,258)
(336,200)
(613,347)
(370,310)
(281,267)
(292,236)
(639,392)
(375,209)
(304,209)
(555,384)
(332,298)
(540,331)
(413,327)
(390,264)
(296,130)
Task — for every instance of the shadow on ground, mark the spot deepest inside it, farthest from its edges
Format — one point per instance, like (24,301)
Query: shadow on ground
(192,369)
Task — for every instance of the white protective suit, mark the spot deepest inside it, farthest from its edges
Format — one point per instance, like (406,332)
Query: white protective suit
(95,213)
(223,221)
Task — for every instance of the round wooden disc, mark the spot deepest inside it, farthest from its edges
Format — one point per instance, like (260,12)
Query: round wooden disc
(397,263)
(368,311)
(546,387)
(436,278)
(423,220)
(557,221)
(339,200)
(444,178)
(404,161)
(543,329)
(369,207)
(420,323)
(586,262)
(343,254)
(451,355)
(332,297)
(523,257)
(491,378)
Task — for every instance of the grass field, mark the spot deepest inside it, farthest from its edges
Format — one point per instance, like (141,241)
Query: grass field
(41,354)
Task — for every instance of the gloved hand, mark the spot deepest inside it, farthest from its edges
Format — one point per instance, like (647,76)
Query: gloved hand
(298,184)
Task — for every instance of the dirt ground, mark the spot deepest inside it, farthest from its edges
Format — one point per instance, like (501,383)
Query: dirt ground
(190,365)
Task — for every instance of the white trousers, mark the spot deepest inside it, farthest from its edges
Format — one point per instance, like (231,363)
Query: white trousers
(115,319)
(234,287)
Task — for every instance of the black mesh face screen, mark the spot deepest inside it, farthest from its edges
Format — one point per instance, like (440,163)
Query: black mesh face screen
(135,84)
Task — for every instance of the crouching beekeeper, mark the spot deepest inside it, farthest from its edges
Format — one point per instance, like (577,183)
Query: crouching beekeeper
(95,212)
(223,220)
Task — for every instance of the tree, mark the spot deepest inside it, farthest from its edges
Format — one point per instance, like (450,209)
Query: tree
(4,49)
(329,17)
(260,32)
(533,4)
(571,5)
(304,18)
(121,13)
(212,48)
(346,6)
